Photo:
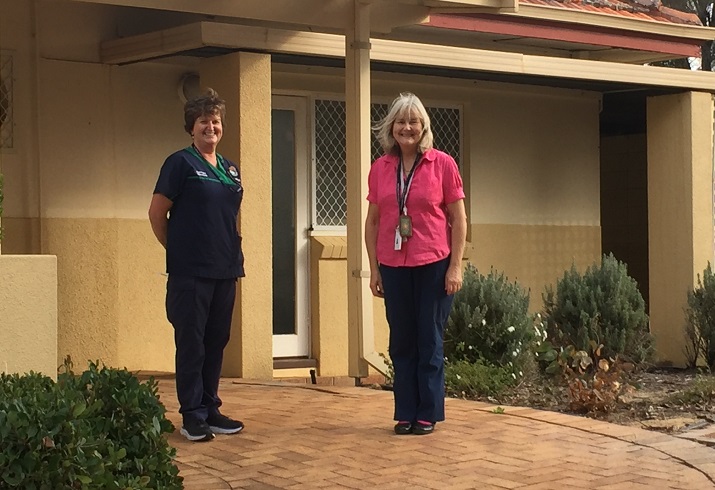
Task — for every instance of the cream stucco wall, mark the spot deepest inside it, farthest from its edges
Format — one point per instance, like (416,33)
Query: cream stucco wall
(329,288)
(28,314)
(534,255)
(95,192)
(328,293)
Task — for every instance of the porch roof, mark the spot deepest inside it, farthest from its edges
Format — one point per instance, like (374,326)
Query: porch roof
(206,39)
(650,10)
(603,30)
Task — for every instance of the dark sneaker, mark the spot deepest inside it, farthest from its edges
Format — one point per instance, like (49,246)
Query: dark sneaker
(403,428)
(221,424)
(421,428)
(196,431)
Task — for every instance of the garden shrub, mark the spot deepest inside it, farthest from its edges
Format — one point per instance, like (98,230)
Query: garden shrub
(700,321)
(489,321)
(470,379)
(603,306)
(102,429)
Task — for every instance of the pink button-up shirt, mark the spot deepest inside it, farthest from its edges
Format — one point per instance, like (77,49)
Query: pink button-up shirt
(436,182)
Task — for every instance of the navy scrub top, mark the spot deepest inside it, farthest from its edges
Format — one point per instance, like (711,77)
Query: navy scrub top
(202,240)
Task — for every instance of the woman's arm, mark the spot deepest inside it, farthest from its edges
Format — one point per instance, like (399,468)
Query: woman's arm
(158,216)
(458,222)
(371,226)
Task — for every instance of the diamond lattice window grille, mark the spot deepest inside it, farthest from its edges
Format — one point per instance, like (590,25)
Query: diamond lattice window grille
(330,171)
(6,102)
(330,147)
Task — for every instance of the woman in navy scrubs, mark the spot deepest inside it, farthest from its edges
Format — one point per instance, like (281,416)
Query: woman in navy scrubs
(193,214)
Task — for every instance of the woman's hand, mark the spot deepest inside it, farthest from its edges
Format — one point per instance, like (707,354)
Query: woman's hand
(452,279)
(376,284)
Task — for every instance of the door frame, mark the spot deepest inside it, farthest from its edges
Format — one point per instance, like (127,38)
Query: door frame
(298,344)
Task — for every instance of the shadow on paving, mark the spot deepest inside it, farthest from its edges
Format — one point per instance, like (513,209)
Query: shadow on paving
(306,437)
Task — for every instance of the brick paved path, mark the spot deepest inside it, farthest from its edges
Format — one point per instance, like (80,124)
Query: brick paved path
(304,437)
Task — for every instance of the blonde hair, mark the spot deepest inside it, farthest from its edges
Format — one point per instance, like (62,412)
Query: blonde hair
(405,103)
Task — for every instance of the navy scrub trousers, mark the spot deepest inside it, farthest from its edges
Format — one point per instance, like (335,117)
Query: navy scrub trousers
(200,310)
(417,307)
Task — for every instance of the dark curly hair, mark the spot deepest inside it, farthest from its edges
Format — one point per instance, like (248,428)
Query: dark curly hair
(207,103)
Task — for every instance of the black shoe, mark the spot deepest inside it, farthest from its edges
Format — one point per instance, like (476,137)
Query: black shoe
(403,428)
(221,424)
(421,428)
(196,430)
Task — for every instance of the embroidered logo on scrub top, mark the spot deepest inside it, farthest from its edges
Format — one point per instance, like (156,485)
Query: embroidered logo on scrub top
(201,173)
(233,171)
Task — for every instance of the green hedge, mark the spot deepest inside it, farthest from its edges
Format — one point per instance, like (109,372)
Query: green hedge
(103,429)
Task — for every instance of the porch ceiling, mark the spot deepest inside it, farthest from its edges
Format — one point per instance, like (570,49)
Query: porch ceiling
(206,39)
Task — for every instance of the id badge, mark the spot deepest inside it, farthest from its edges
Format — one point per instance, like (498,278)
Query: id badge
(398,239)
(405,226)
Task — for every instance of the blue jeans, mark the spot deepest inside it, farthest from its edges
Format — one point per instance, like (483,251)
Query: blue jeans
(417,307)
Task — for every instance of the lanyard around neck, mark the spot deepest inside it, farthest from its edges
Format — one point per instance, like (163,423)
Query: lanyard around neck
(218,170)
(402,186)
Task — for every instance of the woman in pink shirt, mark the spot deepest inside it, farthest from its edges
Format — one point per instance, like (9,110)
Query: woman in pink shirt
(415,233)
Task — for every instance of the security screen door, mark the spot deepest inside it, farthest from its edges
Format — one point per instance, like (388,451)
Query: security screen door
(291,221)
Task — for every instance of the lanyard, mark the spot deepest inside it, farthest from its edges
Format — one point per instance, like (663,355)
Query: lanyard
(402,186)
(218,170)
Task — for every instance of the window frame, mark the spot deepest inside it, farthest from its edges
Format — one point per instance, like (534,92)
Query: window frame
(430,104)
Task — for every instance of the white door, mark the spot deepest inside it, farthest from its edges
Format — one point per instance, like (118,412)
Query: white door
(291,221)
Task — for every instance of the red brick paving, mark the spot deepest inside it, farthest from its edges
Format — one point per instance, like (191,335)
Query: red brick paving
(304,437)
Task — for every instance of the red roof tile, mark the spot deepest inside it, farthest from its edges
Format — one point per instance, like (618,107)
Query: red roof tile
(653,10)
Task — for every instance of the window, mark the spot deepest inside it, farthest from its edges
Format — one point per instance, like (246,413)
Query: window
(330,198)
(6,105)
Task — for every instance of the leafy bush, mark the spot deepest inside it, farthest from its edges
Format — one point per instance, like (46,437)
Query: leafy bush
(604,306)
(489,321)
(700,321)
(469,379)
(100,430)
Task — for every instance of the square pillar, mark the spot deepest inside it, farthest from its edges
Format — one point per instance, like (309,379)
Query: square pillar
(680,211)
(243,80)
(357,113)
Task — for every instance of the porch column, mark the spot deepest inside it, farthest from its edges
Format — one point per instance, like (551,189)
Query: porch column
(243,80)
(680,210)
(357,109)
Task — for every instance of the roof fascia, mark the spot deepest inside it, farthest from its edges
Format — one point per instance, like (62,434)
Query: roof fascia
(605,20)
(550,30)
